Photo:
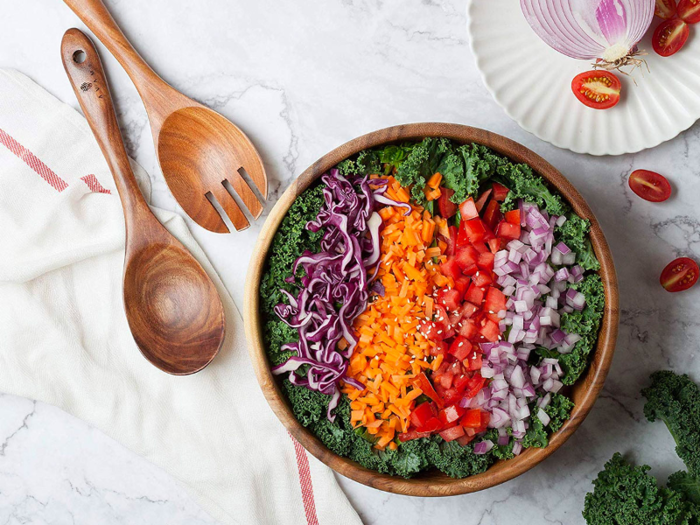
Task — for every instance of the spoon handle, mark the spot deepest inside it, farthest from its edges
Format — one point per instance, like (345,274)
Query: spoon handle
(157,94)
(84,70)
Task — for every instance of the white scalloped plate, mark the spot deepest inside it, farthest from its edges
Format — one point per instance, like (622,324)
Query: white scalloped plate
(532,83)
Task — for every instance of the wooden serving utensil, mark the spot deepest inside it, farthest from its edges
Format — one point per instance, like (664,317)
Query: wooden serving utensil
(173,309)
(197,148)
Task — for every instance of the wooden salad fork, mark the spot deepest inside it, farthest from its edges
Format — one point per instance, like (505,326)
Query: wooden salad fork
(197,148)
(173,309)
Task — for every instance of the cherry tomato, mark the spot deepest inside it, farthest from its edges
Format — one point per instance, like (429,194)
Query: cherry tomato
(665,9)
(689,11)
(597,89)
(670,37)
(680,275)
(650,186)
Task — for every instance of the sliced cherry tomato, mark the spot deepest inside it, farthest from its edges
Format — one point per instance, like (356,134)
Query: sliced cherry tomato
(665,9)
(446,207)
(597,89)
(468,210)
(689,11)
(670,37)
(680,275)
(500,192)
(650,186)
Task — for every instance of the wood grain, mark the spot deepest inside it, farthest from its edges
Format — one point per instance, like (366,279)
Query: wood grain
(197,148)
(434,483)
(173,309)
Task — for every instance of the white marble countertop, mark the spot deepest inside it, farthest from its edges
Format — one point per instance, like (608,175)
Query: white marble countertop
(301,78)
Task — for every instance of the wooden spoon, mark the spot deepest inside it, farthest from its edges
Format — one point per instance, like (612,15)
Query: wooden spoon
(197,148)
(174,311)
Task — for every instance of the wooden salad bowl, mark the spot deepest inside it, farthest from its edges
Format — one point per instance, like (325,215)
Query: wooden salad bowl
(434,483)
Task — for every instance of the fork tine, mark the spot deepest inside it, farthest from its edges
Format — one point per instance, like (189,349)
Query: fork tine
(230,207)
(249,199)
(256,172)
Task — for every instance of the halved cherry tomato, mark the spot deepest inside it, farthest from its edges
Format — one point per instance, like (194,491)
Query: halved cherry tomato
(680,275)
(446,207)
(650,186)
(689,11)
(670,37)
(468,210)
(665,9)
(597,89)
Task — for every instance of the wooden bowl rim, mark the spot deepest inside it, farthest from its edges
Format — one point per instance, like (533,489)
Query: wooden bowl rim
(433,483)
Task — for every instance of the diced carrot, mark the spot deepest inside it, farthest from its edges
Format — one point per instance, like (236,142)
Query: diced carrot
(434,181)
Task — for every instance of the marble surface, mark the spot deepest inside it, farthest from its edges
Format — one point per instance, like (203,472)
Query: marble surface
(301,78)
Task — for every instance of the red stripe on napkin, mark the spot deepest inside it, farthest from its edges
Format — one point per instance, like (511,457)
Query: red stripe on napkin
(307,489)
(33,162)
(94,185)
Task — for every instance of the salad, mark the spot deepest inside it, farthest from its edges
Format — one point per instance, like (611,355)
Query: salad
(427,305)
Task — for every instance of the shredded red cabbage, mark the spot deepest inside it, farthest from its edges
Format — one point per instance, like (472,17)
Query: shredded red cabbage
(335,288)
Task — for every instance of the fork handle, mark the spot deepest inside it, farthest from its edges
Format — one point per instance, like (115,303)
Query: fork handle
(155,92)
(84,70)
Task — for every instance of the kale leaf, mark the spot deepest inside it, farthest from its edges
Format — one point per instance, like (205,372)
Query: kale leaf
(675,400)
(575,234)
(527,185)
(628,495)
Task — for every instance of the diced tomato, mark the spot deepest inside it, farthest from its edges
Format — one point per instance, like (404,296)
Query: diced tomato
(485,419)
(468,210)
(461,381)
(460,347)
(430,330)
(449,298)
(495,300)
(446,207)
(462,237)
(485,261)
(474,295)
(482,200)
(475,230)
(467,310)
(466,257)
(492,215)
(476,383)
(433,424)
(474,360)
(490,331)
(444,380)
(496,245)
(421,414)
(450,414)
(452,240)
(513,217)
(507,230)
(451,396)
(453,433)
(424,384)
(413,434)
(450,268)
(462,284)
(439,348)
(500,192)
(482,279)
(464,440)
(472,419)
(469,330)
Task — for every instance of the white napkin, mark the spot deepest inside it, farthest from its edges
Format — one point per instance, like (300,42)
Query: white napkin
(64,338)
